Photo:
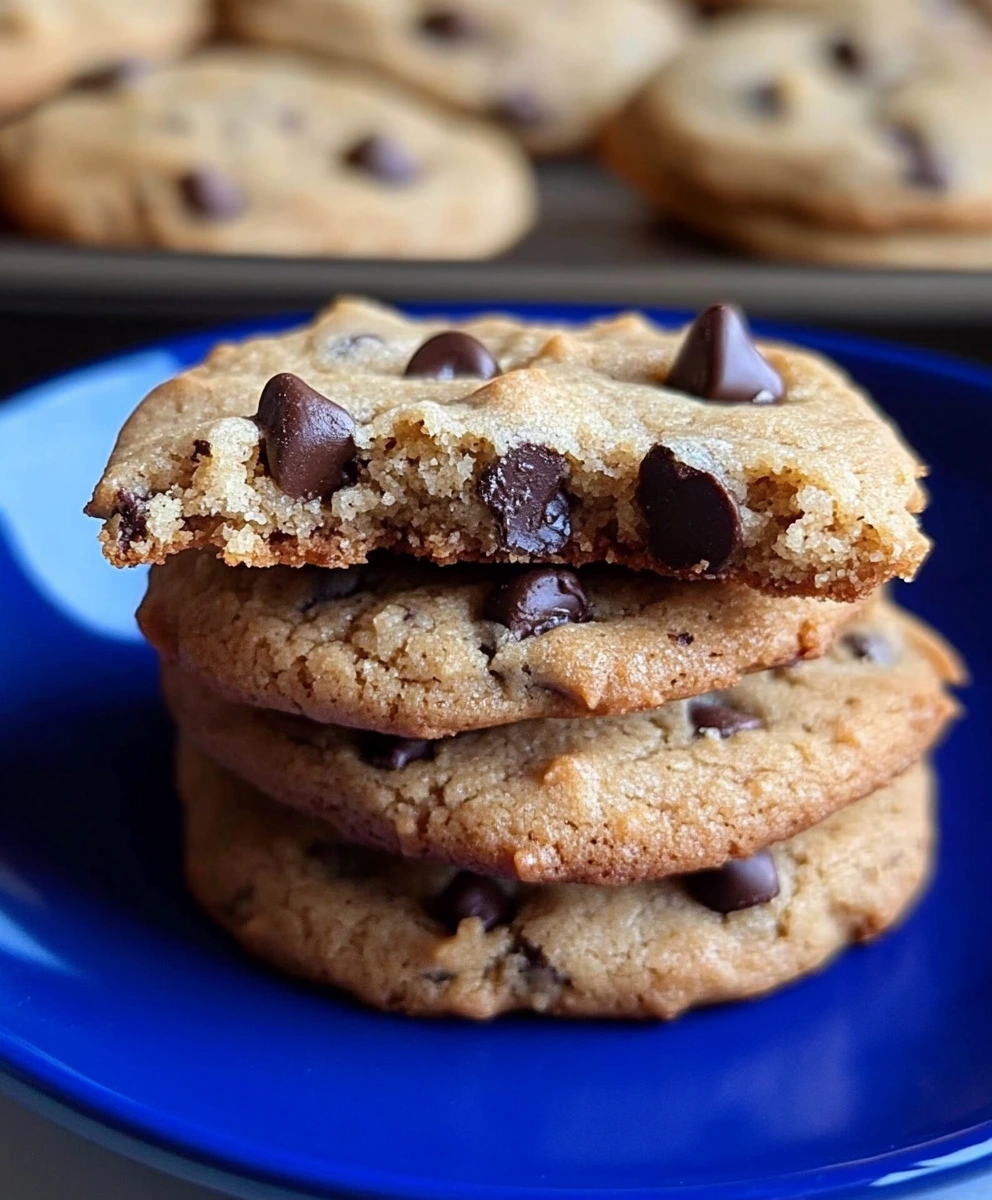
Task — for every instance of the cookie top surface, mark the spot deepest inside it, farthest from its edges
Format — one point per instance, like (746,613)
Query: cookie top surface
(245,152)
(829,114)
(579,450)
(420,651)
(388,930)
(47,44)
(615,799)
(549,72)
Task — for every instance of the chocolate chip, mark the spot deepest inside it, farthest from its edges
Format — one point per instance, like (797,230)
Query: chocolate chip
(740,883)
(535,601)
(451,354)
(922,167)
(845,54)
(719,361)
(871,647)
(383,158)
(119,74)
(725,719)
(309,440)
(471,895)
(133,512)
(208,192)
(681,639)
(201,449)
(450,25)
(389,753)
(331,584)
(690,515)
(521,108)
(522,490)
(767,99)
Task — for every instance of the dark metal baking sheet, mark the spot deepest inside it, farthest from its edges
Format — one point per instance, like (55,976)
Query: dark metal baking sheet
(595,243)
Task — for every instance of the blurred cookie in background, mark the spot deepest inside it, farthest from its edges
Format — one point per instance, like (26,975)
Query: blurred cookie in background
(47,44)
(549,71)
(245,152)
(833,136)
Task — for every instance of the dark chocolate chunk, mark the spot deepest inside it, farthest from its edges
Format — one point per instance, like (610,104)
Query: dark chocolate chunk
(922,166)
(521,109)
(690,515)
(209,192)
(451,25)
(740,883)
(681,639)
(452,354)
(471,895)
(845,54)
(535,601)
(331,584)
(523,491)
(309,440)
(766,99)
(389,753)
(133,512)
(383,158)
(719,361)
(871,647)
(201,449)
(725,719)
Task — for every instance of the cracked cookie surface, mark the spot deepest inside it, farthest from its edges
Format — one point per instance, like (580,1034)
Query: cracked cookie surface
(609,800)
(809,493)
(368,922)
(410,649)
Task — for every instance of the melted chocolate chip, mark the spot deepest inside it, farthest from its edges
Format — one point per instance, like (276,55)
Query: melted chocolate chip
(309,440)
(133,512)
(845,54)
(766,99)
(383,158)
(690,515)
(201,449)
(725,719)
(331,584)
(922,167)
(719,361)
(740,883)
(451,354)
(535,601)
(681,639)
(871,647)
(471,895)
(523,491)
(388,753)
(521,109)
(210,193)
(450,25)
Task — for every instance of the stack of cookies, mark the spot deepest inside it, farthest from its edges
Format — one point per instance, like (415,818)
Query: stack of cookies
(520,667)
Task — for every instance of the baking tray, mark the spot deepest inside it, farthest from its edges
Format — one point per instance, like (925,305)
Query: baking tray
(596,243)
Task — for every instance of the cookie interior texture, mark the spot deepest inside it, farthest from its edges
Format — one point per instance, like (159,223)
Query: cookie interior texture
(609,800)
(817,489)
(369,923)
(415,650)
(241,151)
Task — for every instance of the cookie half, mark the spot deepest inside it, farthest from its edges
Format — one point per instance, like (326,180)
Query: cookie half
(423,939)
(242,152)
(414,650)
(692,454)
(610,800)
(45,47)
(549,72)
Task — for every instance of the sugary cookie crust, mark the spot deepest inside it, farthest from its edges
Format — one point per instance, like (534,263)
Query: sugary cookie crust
(409,650)
(825,488)
(610,800)
(280,886)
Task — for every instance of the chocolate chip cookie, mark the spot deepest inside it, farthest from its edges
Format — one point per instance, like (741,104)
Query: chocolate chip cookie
(414,650)
(549,72)
(46,45)
(427,939)
(810,135)
(695,453)
(243,152)
(608,800)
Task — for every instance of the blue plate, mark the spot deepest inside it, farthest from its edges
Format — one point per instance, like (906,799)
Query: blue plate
(118,999)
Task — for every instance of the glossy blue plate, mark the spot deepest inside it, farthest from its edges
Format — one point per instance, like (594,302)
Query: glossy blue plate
(118,999)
